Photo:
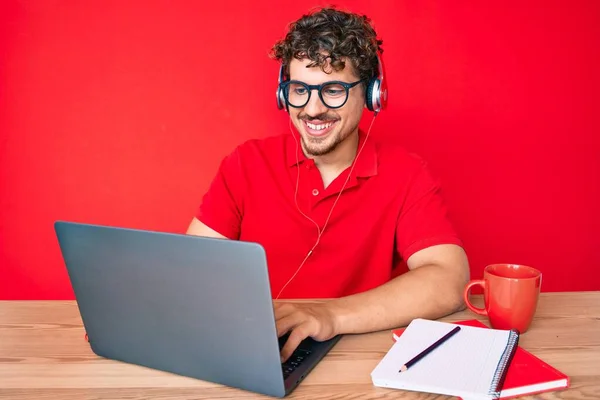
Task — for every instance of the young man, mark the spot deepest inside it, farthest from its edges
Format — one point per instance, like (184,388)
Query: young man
(336,210)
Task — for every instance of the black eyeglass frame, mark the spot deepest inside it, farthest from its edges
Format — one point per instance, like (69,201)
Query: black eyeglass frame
(347,86)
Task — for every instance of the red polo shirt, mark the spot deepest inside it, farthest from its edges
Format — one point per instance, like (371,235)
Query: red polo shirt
(390,209)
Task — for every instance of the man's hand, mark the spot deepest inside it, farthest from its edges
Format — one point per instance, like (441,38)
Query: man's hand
(303,320)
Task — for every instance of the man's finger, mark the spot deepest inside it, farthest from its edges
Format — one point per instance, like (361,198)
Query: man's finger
(297,336)
(283,310)
(289,322)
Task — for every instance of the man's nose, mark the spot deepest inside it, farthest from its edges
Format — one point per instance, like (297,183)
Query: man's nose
(315,106)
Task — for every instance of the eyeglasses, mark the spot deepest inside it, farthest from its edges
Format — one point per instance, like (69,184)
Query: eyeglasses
(333,94)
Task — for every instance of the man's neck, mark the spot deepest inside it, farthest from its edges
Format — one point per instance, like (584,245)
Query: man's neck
(331,165)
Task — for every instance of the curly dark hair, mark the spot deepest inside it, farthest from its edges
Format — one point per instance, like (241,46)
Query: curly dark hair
(328,34)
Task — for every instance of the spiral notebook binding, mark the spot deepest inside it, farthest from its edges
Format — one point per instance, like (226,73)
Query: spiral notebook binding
(502,367)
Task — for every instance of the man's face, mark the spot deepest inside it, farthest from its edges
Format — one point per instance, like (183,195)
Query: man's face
(322,129)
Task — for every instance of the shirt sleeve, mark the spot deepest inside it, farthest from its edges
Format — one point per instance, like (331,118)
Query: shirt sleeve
(222,206)
(423,220)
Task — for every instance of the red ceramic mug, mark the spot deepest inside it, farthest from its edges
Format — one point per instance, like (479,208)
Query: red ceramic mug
(510,293)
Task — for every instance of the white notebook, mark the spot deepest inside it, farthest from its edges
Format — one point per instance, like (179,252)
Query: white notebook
(471,364)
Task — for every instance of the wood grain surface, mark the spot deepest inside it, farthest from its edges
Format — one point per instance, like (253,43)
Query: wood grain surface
(43,356)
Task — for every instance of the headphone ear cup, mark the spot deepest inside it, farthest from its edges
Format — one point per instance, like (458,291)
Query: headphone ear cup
(280,99)
(369,94)
(376,94)
(281,102)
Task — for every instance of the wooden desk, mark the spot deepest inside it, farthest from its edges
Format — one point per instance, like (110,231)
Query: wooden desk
(43,356)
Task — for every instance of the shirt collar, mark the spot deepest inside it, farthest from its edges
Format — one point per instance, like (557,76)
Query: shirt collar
(366,165)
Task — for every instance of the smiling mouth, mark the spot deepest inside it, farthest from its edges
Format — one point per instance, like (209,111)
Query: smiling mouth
(320,128)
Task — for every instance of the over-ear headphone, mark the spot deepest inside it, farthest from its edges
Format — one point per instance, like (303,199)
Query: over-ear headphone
(281,103)
(375,95)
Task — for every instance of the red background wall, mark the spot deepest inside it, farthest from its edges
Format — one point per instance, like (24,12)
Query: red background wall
(118,113)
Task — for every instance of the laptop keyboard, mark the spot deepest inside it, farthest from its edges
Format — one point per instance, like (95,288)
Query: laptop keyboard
(295,360)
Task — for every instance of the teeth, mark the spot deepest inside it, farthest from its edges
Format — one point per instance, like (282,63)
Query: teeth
(319,127)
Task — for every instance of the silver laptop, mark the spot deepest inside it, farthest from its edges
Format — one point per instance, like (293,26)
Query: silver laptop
(193,306)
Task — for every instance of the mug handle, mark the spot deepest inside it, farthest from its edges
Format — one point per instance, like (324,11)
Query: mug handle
(476,310)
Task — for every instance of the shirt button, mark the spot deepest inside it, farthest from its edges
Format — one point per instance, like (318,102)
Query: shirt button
(315,192)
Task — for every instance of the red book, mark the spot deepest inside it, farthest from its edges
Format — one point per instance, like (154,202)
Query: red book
(527,374)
